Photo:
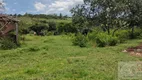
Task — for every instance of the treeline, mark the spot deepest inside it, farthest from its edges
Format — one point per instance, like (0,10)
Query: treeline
(46,16)
(49,28)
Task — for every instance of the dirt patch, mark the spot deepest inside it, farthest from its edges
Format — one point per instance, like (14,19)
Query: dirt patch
(135,51)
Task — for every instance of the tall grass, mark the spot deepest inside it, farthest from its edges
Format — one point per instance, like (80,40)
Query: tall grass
(55,58)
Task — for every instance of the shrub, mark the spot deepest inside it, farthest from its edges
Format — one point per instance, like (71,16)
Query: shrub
(103,39)
(50,33)
(80,40)
(24,31)
(66,27)
(112,41)
(136,34)
(69,28)
(92,35)
(122,35)
(31,32)
(86,30)
(38,28)
(52,26)
(140,36)
(60,28)
(7,44)
(44,32)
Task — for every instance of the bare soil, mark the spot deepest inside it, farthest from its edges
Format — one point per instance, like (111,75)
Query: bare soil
(135,51)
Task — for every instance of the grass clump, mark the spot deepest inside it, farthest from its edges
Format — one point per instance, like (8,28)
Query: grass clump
(32,71)
(33,49)
(80,40)
(7,44)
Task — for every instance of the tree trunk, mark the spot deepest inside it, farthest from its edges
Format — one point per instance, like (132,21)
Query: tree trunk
(17,40)
(114,32)
(132,33)
(108,29)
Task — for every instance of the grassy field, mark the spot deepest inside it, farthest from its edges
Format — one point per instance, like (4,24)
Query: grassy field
(55,58)
(29,20)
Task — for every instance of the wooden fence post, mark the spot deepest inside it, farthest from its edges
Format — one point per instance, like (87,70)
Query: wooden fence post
(17,38)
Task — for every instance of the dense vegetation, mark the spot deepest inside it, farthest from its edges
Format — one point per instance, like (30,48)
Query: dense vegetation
(118,20)
(57,47)
(98,22)
(105,23)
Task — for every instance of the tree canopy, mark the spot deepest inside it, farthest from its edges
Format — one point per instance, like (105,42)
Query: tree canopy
(108,14)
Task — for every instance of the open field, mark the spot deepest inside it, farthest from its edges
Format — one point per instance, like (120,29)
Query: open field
(29,20)
(55,58)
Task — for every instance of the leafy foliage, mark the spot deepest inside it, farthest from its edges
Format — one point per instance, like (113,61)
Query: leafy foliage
(122,35)
(103,40)
(6,44)
(80,40)
(38,28)
(66,28)
(108,14)
(52,26)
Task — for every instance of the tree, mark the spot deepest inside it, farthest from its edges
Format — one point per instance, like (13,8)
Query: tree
(134,13)
(78,18)
(66,16)
(103,12)
(109,14)
(60,16)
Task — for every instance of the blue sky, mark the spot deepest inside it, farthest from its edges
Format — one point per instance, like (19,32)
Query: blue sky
(40,6)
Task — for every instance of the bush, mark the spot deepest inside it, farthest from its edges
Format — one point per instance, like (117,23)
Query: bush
(66,27)
(103,39)
(69,28)
(122,35)
(52,26)
(7,44)
(112,41)
(80,40)
(31,32)
(24,31)
(140,36)
(136,34)
(38,28)
(92,35)
(50,33)
(44,32)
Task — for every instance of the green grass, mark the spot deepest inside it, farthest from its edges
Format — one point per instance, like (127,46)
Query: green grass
(55,58)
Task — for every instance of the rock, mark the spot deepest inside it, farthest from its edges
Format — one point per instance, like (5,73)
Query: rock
(138,54)
(139,50)
(124,51)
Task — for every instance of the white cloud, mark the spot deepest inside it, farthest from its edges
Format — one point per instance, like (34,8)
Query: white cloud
(64,6)
(57,6)
(39,6)
(2,6)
